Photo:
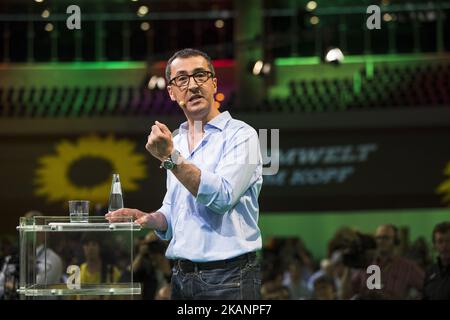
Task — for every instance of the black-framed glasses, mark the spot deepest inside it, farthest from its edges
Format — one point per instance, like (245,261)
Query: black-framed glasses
(200,77)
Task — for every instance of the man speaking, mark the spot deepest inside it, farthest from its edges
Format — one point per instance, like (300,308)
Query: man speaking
(214,177)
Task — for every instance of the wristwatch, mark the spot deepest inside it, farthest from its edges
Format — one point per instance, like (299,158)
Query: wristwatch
(171,161)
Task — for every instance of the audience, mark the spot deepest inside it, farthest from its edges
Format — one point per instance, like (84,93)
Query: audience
(437,279)
(49,265)
(324,288)
(96,268)
(150,267)
(288,269)
(401,278)
(296,280)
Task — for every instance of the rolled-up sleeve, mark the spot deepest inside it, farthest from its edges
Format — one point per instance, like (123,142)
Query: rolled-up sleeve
(221,190)
(166,211)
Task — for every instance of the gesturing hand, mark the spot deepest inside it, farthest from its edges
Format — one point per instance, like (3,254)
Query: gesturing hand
(159,142)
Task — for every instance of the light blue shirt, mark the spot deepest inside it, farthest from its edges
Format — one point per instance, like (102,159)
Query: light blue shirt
(222,221)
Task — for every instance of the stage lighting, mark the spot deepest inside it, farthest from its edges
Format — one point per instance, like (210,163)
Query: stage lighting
(334,55)
(161,83)
(219,23)
(261,68)
(49,27)
(220,97)
(145,26)
(45,13)
(314,20)
(387,17)
(257,67)
(311,5)
(157,83)
(142,11)
(266,68)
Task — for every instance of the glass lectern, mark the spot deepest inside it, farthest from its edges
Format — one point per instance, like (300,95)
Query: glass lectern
(60,259)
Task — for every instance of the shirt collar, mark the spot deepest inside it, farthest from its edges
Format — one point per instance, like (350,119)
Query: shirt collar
(219,122)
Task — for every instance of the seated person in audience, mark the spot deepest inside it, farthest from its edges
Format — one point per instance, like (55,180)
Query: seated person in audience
(151,267)
(335,269)
(96,269)
(401,278)
(324,288)
(296,280)
(420,253)
(272,287)
(325,269)
(437,279)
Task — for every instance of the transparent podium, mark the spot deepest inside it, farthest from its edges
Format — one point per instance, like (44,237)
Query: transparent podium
(60,259)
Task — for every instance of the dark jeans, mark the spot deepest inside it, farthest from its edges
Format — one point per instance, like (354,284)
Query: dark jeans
(239,281)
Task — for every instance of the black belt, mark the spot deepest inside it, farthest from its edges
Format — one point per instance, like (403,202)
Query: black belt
(190,266)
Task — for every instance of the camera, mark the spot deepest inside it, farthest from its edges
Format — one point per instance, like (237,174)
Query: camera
(357,248)
(9,270)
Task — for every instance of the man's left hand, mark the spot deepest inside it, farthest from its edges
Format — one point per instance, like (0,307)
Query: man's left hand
(159,142)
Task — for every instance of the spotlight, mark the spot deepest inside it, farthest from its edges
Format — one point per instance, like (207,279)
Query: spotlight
(45,13)
(266,68)
(314,20)
(311,5)
(49,27)
(261,68)
(142,11)
(145,26)
(156,83)
(257,68)
(152,83)
(335,56)
(161,83)
(219,24)
(220,97)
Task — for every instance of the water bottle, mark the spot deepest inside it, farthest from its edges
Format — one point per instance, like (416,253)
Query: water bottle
(115,197)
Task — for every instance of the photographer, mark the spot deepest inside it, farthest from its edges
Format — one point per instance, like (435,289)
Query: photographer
(401,278)
(437,280)
(9,277)
(150,267)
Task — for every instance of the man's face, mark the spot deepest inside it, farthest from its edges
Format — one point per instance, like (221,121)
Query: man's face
(198,98)
(384,237)
(442,245)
